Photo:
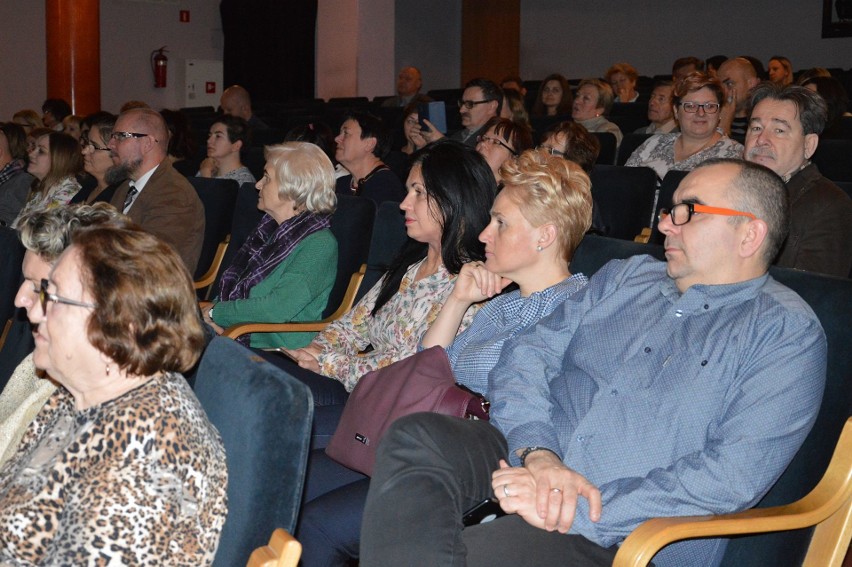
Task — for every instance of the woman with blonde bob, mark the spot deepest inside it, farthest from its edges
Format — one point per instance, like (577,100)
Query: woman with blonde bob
(537,221)
(287,266)
(116,321)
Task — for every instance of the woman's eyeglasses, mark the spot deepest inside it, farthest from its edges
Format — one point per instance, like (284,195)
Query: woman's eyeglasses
(45,297)
(495,142)
(692,107)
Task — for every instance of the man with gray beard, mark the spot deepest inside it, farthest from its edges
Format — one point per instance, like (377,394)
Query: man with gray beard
(155,195)
(783,134)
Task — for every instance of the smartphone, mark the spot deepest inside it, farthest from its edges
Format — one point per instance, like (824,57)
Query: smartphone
(434,112)
(486,511)
(283,351)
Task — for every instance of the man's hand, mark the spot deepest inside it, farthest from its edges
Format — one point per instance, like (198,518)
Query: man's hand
(556,491)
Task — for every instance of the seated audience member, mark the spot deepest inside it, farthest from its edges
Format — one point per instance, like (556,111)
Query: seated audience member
(713,63)
(513,108)
(738,76)
(502,141)
(537,221)
(836,101)
(570,140)
(783,134)
(155,195)
(450,190)
(318,134)
(408,84)
(182,146)
(227,138)
(287,266)
(697,101)
(236,101)
(591,105)
(554,97)
(480,101)
(732,359)
(413,140)
(686,65)
(622,78)
(780,71)
(97,161)
(117,321)
(45,234)
(27,119)
(54,162)
(660,110)
(54,111)
(514,82)
(71,125)
(15,182)
(362,143)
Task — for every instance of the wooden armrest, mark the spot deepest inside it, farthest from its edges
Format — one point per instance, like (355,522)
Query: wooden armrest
(283,550)
(306,326)
(209,277)
(832,494)
(643,237)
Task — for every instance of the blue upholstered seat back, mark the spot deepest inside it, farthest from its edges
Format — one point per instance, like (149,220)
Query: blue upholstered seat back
(264,418)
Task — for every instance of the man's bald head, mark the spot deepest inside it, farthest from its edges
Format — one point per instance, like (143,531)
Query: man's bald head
(236,101)
(738,77)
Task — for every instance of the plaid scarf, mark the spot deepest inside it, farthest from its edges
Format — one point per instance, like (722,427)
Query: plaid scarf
(264,250)
(10,170)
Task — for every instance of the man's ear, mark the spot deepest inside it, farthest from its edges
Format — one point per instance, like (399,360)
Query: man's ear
(811,143)
(753,238)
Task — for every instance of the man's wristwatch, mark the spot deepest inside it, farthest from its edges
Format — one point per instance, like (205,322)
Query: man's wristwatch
(210,313)
(529,450)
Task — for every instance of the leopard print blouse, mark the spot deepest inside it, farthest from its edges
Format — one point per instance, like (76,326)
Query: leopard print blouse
(138,480)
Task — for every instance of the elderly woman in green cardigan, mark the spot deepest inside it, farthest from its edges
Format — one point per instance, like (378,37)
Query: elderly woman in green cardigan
(287,266)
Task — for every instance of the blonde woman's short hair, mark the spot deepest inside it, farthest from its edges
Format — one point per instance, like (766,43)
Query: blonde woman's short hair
(551,190)
(305,175)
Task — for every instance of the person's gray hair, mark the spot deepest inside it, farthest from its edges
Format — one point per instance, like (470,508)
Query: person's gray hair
(47,232)
(811,108)
(760,191)
(305,175)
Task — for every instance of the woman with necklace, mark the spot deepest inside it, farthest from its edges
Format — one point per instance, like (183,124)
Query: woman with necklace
(697,100)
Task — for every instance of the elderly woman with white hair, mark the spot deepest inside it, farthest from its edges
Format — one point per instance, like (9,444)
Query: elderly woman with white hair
(287,266)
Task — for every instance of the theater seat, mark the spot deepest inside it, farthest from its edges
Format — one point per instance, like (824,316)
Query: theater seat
(264,418)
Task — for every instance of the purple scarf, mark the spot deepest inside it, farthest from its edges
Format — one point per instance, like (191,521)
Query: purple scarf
(264,249)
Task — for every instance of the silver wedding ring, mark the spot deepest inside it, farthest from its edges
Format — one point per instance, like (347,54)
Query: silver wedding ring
(506,490)
(555,490)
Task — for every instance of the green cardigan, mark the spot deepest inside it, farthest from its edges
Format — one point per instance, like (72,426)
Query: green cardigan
(297,290)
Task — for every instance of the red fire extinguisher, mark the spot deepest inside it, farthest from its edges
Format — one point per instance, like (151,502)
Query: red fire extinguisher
(159,65)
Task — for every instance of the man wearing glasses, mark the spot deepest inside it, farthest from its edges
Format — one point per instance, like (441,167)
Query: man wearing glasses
(661,389)
(783,134)
(155,196)
(480,102)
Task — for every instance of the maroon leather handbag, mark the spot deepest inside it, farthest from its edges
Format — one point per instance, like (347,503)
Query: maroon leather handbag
(423,382)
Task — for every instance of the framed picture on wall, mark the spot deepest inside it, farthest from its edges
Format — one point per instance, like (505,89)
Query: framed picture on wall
(836,18)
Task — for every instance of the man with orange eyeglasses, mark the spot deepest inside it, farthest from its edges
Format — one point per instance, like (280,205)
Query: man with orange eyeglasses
(661,389)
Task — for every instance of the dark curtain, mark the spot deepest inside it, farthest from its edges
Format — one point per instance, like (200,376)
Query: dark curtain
(269,47)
